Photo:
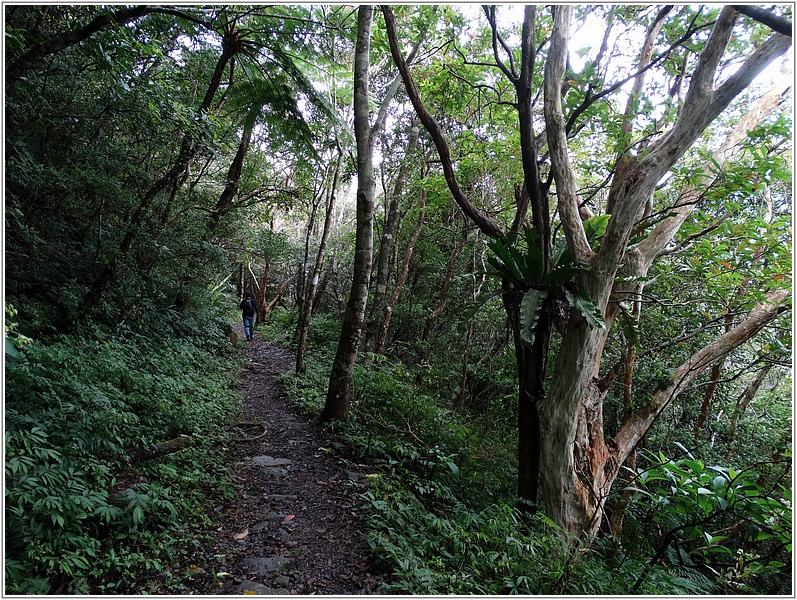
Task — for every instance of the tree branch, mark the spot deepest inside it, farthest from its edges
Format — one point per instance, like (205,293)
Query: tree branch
(566,189)
(683,376)
(484,223)
(777,23)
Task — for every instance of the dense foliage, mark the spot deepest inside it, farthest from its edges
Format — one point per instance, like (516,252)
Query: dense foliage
(160,160)
(440,497)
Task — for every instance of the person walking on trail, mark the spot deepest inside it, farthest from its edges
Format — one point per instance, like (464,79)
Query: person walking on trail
(248,311)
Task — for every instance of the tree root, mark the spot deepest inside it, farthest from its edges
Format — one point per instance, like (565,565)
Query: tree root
(257,437)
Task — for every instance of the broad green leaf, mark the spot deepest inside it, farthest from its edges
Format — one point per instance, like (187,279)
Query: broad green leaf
(510,267)
(583,304)
(10,349)
(562,273)
(530,308)
(471,311)
(596,226)
(628,325)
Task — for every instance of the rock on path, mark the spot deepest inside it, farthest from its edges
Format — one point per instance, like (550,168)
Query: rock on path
(295,527)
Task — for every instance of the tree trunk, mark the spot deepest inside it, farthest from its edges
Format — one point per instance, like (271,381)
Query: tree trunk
(531,367)
(261,293)
(338,397)
(745,398)
(277,297)
(381,338)
(580,465)
(225,200)
(301,280)
(386,245)
(303,325)
(441,302)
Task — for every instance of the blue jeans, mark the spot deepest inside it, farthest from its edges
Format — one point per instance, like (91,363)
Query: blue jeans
(249,326)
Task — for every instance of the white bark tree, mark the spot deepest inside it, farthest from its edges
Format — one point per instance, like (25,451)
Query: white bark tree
(577,464)
(580,464)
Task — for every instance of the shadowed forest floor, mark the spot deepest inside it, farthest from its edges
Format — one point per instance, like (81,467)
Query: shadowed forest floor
(295,526)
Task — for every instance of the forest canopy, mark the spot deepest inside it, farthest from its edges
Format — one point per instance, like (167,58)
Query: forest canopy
(564,230)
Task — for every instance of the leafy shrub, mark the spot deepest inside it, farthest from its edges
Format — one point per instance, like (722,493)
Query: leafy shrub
(80,515)
(713,524)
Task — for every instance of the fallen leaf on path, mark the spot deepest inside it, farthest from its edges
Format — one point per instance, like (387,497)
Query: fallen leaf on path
(242,535)
(289,517)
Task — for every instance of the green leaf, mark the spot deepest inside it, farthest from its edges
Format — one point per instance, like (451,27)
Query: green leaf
(10,349)
(507,265)
(628,326)
(471,311)
(584,304)
(562,274)
(530,308)
(596,226)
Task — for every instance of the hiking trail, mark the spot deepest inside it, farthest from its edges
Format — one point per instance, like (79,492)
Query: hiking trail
(294,527)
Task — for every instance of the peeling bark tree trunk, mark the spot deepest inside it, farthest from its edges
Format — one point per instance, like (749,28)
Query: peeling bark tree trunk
(580,465)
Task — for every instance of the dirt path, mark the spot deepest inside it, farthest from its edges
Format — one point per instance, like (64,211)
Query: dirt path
(295,526)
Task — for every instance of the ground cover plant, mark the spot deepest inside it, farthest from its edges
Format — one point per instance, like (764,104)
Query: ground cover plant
(86,511)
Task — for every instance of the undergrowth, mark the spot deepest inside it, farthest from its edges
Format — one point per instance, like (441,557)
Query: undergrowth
(441,492)
(83,514)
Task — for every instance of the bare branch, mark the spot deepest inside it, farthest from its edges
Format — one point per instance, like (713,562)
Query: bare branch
(485,223)
(566,189)
(683,376)
(509,71)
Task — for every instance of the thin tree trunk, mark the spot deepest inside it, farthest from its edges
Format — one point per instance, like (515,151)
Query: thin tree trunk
(261,293)
(303,325)
(386,244)
(381,339)
(277,296)
(458,397)
(340,300)
(745,398)
(441,302)
(618,512)
(234,173)
(301,281)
